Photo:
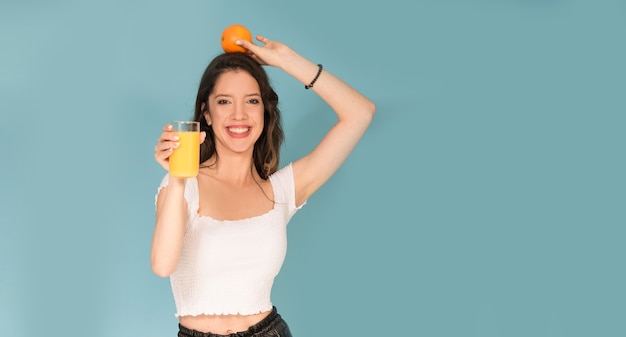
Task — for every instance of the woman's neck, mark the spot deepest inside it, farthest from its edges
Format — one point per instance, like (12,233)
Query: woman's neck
(235,170)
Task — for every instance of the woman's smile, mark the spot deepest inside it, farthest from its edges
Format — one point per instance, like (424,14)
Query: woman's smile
(238,131)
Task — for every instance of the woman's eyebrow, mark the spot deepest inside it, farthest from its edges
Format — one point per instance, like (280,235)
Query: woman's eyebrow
(246,95)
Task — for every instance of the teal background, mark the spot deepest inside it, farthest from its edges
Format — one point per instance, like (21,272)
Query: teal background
(487,198)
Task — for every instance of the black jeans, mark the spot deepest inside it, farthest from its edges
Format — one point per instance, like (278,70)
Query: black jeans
(271,326)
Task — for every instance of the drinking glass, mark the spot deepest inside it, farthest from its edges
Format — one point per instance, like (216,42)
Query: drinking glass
(185,159)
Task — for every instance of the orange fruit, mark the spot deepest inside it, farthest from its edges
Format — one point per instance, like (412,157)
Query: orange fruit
(231,34)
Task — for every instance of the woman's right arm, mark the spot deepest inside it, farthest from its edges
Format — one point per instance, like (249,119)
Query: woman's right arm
(171,212)
(169,229)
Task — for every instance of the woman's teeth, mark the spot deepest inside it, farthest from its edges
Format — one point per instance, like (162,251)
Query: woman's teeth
(238,130)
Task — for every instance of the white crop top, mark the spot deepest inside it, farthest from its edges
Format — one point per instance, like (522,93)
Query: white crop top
(229,266)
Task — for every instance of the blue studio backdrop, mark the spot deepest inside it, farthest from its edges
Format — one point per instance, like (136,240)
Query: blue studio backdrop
(487,199)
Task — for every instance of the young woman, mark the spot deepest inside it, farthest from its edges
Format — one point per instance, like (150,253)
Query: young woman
(221,237)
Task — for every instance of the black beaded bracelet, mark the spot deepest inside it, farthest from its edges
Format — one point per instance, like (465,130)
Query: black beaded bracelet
(319,71)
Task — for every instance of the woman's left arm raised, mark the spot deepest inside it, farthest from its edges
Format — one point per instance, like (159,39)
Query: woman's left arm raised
(354,115)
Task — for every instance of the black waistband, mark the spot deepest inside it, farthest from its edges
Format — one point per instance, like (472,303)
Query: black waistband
(269,322)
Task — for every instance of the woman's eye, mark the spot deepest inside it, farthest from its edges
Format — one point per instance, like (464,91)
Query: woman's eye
(254,101)
(222,101)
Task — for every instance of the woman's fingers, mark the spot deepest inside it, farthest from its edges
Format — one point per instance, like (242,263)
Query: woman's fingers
(258,53)
(263,39)
(166,144)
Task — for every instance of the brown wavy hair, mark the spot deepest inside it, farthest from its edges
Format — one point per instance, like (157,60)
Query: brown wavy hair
(266,153)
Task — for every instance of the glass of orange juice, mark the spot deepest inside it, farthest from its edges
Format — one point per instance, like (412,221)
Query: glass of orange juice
(185,160)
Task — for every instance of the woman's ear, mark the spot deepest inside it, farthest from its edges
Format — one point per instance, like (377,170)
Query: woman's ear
(206,114)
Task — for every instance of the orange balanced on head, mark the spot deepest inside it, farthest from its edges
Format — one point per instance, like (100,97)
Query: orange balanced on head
(231,34)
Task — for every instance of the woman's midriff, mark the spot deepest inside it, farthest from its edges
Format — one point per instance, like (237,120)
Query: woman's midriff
(222,324)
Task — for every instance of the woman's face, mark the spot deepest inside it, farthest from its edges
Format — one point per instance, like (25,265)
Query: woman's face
(235,112)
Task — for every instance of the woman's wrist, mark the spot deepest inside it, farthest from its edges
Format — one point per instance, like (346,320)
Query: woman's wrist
(176,182)
(301,69)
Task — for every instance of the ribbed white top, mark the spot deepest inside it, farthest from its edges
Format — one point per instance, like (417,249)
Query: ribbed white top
(228,267)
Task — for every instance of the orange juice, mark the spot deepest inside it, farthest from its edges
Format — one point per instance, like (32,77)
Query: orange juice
(185,159)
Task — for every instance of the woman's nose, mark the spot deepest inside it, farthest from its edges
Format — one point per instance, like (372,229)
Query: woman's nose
(240,112)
